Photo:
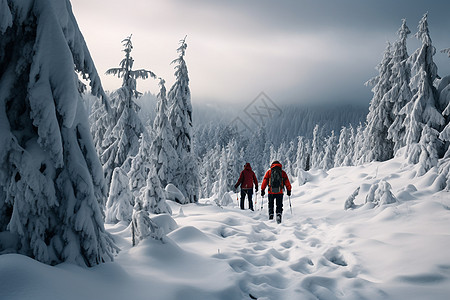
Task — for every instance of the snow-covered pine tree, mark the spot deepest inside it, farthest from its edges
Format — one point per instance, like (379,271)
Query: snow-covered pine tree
(359,144)
(153,196)
(377,147)
(289,160)
(427,146)
(100,122)
(222,186)
(255,152)
(186,176)
(140,164)
(119,206)
(316,147)
(400,93)
(344,152)
(121,141)
(303,154)
(444,163)
(209,170)
(330,152)
(51,182)
(235,163)
(162,150)
(424,107)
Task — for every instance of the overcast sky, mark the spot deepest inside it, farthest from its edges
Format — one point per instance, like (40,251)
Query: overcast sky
(293,50)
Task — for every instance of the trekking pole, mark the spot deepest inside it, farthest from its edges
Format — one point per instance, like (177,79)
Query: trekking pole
(237,198)
(262,202)
(256,201)
(290,205)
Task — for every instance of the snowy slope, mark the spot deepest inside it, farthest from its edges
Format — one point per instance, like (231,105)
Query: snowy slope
(321,251)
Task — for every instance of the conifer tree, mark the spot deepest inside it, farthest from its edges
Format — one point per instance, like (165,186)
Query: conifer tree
(51,182)
(423,108)
(140,164)
(303,154)
(400,93)
(119,206)
(329,153)
(122,139)
(162,150)
(377,147)
(180,117)
(316,148)
(344,152)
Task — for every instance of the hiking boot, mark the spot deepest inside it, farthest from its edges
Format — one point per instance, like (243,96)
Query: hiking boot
(278,218)
(270,217)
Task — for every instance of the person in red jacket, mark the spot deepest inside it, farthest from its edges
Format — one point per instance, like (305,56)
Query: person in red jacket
(246,180)
(276,179)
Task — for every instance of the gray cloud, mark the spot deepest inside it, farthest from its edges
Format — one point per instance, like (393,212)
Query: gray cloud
(294,50)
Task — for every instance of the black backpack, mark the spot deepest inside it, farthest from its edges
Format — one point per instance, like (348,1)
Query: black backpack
(276,180)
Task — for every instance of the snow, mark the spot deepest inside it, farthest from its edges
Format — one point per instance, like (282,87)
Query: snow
(320,251)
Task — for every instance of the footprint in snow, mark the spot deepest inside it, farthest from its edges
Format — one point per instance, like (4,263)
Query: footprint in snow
(304,265)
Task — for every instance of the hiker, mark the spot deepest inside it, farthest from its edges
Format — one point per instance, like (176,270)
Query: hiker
(246,180)
(276,179)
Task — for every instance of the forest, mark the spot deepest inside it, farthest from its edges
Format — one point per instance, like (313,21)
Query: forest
(64,173)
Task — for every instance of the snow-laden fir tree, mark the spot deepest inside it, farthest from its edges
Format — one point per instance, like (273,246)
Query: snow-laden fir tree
(359,145)
(344,153)
(153,196)
(121,141)
(180,116)
(222,185)
(424,153)
(140,164)
(254,152)
(209,171)
(164,156)
(380,117)
(235,163)
(400,93)
(444,163)
(51,182)
(303,154)
(316,147)
(119,206)
(424,107)
(329,152)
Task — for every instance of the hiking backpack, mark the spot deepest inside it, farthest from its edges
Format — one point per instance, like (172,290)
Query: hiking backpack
(276,180)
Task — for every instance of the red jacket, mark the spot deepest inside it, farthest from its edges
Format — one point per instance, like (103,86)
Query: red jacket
(247,178)
(266,180)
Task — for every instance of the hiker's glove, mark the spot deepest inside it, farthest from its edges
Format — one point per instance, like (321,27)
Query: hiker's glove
(288,192)
(256,189)
(263,193)
(235,187)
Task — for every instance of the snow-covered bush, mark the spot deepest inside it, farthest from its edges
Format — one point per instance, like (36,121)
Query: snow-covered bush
(142,226)
(349,203)
(302,176)
(226,200)
(380,194)
(119,206)
(174,194)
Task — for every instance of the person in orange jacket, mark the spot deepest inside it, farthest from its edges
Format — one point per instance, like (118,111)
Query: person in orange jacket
(276,179)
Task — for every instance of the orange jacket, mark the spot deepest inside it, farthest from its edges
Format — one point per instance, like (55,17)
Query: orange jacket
(266,180)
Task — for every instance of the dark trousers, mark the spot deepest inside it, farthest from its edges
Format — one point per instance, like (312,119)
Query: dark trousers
(249,193)
(278,198)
